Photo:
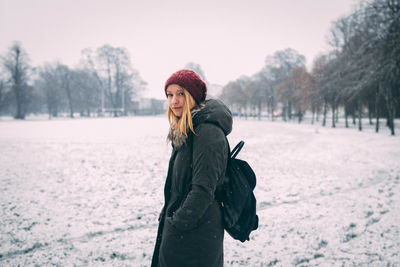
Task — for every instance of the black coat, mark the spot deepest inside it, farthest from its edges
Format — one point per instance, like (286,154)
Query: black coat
(191,231)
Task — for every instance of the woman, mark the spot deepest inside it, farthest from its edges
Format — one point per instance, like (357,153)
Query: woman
(191,231)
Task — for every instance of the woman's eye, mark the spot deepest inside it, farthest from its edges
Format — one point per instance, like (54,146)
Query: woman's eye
(181,93)
(169,95)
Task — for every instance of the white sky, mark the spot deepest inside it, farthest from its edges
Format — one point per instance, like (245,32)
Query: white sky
(227,38)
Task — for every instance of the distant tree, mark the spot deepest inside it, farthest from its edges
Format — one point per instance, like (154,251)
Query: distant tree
(294,91)
(282,62)
(64,75)
(279,66)
(50,86)
(2,94)
(231,94)
(267,84)
(118,81)
(243,98)
(256,94)
(315,93)
(302,79)
(16,64)
(86,91)
(386,14)
(366,69)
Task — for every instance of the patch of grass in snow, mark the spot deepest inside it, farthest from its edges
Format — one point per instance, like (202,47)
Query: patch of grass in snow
(116,255)
(318,255)
(372,221)
(301,261)
(322,244)
(272,263)
(369,214)
(100,259)
(349,237)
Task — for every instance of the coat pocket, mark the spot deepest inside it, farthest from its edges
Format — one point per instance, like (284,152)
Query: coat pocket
(175,205)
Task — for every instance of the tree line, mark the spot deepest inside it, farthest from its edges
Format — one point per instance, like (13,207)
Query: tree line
(104,81)
(359,76)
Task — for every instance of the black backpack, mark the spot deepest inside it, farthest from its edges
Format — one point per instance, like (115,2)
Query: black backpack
(237,198)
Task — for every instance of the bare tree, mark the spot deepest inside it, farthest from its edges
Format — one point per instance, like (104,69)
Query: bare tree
(49,84)
(118,81)
(280,66)
(367,50)
(86,91)
(16,64)
(2,94)
(257,96)
(231,94)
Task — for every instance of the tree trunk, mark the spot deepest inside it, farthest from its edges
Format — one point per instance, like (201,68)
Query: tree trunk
(49,110)
(270,103)
(370,113)
(333,115)
(346,115)
(18,98)
(359,106)
(391,109)
(67,88)
(272,113)
(391,118)
(325,111)
(377,110)
(71,109)
(300,117)
(284,113)
(313,115)
(54,111)
(337,113)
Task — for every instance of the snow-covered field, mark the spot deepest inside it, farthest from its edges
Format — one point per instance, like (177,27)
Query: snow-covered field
(88,192)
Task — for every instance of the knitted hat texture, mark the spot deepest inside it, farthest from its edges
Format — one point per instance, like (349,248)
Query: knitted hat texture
(191,81)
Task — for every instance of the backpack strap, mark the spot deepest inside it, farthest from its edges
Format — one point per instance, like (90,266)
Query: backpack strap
(236,150)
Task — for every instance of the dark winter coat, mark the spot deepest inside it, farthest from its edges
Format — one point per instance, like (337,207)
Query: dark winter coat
(191,231)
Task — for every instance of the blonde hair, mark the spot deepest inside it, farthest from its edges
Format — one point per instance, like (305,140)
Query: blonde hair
(184,123)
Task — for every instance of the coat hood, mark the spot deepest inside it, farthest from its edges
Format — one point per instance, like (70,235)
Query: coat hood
(211,111)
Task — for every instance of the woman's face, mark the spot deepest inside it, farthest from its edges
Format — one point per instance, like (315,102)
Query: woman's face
(176,99)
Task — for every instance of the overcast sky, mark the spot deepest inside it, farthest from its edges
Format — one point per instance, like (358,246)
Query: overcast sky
(227,38)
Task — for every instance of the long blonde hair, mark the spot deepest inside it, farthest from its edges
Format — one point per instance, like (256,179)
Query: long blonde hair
(184,123)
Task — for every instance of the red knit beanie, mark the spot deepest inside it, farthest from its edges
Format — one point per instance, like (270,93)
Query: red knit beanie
(191,81)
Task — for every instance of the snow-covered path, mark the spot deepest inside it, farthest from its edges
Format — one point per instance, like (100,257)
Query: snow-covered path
(88,192)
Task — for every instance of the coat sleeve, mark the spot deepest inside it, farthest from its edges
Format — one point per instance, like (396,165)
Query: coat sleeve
(210,154)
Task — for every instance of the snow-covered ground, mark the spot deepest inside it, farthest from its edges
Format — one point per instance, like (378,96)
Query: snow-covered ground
(88,192)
